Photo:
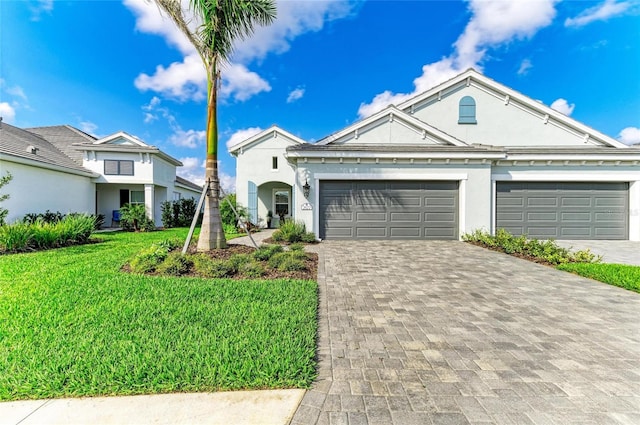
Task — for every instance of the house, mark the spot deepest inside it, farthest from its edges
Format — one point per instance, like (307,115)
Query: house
(61,168)
(467,154)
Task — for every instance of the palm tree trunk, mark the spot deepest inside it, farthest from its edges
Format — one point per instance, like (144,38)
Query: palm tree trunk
(211,233)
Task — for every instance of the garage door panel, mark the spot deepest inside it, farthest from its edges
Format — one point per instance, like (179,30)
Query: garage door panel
(542,216)
(339,232)
(371,216)
(383,210)
(582,210)
(413,217)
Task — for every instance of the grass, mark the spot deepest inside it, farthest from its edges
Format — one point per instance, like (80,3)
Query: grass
(621,275)
(72,324)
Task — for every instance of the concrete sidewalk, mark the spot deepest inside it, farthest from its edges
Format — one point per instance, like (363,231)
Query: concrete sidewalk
(619,252)
(234,407)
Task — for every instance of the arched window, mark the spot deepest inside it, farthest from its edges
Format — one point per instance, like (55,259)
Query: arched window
(467,111)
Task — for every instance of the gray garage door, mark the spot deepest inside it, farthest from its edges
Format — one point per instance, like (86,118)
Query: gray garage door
(563,210)
(388,210)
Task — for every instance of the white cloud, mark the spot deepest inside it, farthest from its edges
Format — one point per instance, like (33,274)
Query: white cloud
(240,83)
(601,12)
(295,95)
(88,127)
(242,135)
(630,136)
(17,91)
(186,79)
(40,7)
(493,23)
(562,106)
(193,170)
(181,80)
(293,19)
(525,66)
(189,138)
(7,112)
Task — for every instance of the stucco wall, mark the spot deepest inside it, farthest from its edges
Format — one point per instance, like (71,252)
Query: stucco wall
(254,163)
(497,124)
(142,167)
(474,196)
(35,190)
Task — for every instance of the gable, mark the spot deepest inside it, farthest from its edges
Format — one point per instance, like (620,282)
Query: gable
(391,127)
(273,138)
(503,117)
(121,139)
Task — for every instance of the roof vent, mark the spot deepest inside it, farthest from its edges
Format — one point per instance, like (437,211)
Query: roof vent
(32,149)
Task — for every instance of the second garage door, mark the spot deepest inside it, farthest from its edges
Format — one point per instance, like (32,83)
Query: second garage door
(545,210)
(388,210)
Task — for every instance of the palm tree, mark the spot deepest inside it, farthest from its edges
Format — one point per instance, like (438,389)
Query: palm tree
(221,22)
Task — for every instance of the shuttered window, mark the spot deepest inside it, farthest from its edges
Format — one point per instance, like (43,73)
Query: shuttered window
(467,111)
(114,167)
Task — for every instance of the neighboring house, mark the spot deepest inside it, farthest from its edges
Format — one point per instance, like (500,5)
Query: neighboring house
(468,154)
(61,168)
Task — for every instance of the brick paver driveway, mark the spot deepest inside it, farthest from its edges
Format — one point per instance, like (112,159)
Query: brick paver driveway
(447,333)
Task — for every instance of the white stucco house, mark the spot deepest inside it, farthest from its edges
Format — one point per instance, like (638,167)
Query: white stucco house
(467,154)
(61,168)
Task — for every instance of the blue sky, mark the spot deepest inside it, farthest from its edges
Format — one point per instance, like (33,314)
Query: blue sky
(106,66)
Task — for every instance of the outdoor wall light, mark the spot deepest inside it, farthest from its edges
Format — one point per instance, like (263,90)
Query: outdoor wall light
(306,189)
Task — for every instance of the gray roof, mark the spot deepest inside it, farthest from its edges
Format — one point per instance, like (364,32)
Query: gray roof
(63,137)
(18,143)
(187,183)
(390,148)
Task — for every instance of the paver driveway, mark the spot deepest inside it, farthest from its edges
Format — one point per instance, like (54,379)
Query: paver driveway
(448,333)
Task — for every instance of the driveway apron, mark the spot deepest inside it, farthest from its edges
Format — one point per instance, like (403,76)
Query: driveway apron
(443,332)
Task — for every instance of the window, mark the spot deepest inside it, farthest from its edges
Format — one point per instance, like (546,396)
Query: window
(114,167)
(137,197)
(281,202)
(177,196)
(274,163)
(467,111)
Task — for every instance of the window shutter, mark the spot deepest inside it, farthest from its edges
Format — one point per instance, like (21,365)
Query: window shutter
(253,202)
(110,167)
(126,168)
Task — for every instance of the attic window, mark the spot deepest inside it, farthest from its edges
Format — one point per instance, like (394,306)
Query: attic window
(114,167)
(274,163)
(467,111)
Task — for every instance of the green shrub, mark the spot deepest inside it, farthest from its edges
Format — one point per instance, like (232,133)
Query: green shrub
(226,212)
(266,251)
(293,231)
(16,237)
(147,260)
(288,260)
(296,247)
(170,244)
(237,260)
(546,250)
(208,267)
(175,264)
(291,264)
(252,269)
(229,229)
(4,180)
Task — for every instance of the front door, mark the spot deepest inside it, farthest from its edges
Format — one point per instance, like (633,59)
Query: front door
(124,197)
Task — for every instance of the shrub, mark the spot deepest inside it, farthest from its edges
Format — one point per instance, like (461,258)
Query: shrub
(293,231)
(148,259)
(296,247)
(24,236)
(547,250)
(166,209)
(290,264)
(288,260)
(3,211)
(178,213)
(226,212)
(252,269)
(208,267)
(134,217)
(175,264)
(16,237)
(237,260)
(266,251)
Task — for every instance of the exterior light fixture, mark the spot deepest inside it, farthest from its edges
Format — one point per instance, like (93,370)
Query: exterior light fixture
(306,189)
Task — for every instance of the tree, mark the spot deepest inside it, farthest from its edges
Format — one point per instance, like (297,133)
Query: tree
(3,211)
(221,23)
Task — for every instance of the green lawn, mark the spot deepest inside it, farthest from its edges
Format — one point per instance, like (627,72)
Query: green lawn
(72,324)
(621,275)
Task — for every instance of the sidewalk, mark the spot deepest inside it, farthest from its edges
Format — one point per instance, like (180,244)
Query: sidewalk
(270,407)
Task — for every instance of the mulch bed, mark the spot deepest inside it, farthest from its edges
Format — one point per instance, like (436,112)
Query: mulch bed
(309,273)
(515,254)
